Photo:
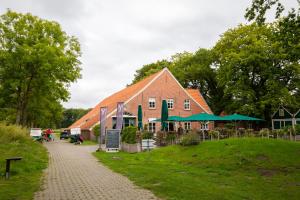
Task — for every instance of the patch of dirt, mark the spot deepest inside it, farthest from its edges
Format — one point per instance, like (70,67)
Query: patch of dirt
(262,157)
(156,184)
(272,172)
(116,158)
(266,172)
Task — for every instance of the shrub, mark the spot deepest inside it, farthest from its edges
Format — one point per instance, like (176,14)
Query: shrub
(288,130)
(171,137)
(129,134)
(190,139)
(12,133)
(161,138)
(147,135)
(279,132)
(229,132)
(96,130)
(213,133)
(249,132)
(264,132)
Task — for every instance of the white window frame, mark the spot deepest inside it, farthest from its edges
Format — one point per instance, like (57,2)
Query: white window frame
(187,102)
(281,113)
(169,103)
(152,100)
(204,126)
(187,126)
(168,126)
(152,127)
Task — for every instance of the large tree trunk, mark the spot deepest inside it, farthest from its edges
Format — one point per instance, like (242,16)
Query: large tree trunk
(21,118)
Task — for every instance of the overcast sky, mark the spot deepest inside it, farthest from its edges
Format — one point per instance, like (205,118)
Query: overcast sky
(117,37)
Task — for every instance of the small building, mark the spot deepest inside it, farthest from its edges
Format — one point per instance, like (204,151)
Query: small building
(282,118)
(149,93)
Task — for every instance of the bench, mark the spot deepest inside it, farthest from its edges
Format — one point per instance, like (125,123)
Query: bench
(7,170)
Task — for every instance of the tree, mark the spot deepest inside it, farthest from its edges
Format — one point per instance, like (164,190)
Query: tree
(71,115)
(254,71)
(149,69)
(197,70)
(258,9)
(192,70)
(38,61)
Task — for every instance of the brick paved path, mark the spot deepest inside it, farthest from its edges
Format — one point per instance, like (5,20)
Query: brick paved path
(74,173)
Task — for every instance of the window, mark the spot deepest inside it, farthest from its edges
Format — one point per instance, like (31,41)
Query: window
(170,103)
(281,112)
(204,126)
(151,127)
(186,104)
(187,126)
(152,103)
(170,126)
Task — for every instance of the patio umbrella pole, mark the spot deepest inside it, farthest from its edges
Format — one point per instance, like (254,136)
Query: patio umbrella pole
(203,135)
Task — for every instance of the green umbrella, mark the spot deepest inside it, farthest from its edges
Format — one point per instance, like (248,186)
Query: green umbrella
(202,117)
(175,118)
(238,117)
(164,115)
(172,118)
(140,118)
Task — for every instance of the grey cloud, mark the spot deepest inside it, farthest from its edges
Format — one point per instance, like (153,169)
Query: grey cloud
(119,36)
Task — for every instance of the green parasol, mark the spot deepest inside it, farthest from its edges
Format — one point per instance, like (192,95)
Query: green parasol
(140,118)
(164,115)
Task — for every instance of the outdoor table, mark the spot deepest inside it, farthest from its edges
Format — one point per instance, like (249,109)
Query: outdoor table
(7,170)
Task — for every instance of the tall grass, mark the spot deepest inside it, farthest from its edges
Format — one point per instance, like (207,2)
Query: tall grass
(25,174)
(12,133)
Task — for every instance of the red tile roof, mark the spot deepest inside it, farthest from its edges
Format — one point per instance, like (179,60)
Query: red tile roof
(195,93)
(110,102)
(92,117)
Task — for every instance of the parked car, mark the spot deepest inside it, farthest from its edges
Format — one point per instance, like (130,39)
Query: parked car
(64,135)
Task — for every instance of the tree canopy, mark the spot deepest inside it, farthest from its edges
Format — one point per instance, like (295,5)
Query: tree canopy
(71,115)
(252,69)
(38,61)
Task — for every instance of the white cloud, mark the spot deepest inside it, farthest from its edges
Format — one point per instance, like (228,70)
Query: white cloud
(119,36)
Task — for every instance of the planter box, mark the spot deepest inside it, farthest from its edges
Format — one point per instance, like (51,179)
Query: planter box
(131,148)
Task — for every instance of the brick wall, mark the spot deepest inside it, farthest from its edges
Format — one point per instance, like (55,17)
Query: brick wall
(165,87)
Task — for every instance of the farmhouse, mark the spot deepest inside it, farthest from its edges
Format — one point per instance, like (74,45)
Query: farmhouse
(149,93)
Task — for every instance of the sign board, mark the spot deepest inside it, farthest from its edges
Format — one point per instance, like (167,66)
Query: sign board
(75,131)
(148,144)
(35,132)
(112,140)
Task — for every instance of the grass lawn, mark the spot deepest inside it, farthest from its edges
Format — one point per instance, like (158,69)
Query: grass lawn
(25,174)
(89,142)
(250,168)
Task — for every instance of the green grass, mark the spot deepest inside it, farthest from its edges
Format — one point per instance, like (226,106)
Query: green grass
(25,174)
(249,168)
(89,142)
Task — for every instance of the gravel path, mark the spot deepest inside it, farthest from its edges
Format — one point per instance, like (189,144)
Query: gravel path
(74,174)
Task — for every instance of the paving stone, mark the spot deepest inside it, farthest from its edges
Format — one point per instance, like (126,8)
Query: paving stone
(73,173)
